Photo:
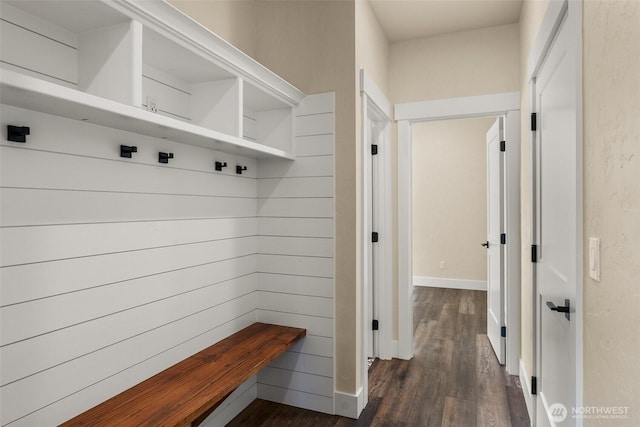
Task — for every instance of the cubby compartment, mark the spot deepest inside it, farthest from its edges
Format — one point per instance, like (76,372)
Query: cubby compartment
(179,83)
(266,120)
(85,45)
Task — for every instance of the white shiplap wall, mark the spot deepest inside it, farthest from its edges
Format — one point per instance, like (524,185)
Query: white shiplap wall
(296,258)
(113,269)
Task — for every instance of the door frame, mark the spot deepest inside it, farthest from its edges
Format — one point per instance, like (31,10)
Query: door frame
(375,107)
(507,104)
(557,11)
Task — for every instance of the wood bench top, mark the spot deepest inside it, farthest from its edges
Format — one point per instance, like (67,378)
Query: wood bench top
(191,388)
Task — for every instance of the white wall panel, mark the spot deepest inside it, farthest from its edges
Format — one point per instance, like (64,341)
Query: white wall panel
(21,245)
(300,304)
(82,400)
(314,145)
(284,264)
(45,207)
(296,259)
(298,381)
(291,284)
(296,227)
(114,269)
(295,246)
(321,207)
(296,187)
(297,398)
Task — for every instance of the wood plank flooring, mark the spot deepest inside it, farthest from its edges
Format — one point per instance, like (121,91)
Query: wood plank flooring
(454,380)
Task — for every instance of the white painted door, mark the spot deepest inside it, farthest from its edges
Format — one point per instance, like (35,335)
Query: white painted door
(372,345)
(558,233)
(495,250)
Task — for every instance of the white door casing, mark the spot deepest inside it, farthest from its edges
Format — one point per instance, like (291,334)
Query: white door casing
(557,229)
(495,249)
(376,265)
(501,104)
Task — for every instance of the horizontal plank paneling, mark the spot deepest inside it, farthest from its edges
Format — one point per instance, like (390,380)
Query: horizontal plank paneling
(74,308)
(292,397)
(58,135)
(316,104)
(319,326)
(82,400)
(299,304)
(296,227)
(114,269)
(292,284)
(45,351)
(299,207)
(61,60)
(24,168)
(317,124)
(42,207)
(305,166)
(299,381)
(310,266)
(295,246)
(314,145)
(296,187)
(33,281)
(296,258)
(45,243)
(307,363)
(315,345)
(56,383)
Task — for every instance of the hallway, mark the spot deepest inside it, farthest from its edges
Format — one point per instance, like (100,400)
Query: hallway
(453,380)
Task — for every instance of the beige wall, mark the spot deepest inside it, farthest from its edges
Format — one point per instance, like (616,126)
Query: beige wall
(530,21)
(466,63)
(611,159)
(450,198)
(233,20)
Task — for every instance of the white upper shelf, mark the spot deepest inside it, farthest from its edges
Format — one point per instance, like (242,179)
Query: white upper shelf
(109,61)
(34,94)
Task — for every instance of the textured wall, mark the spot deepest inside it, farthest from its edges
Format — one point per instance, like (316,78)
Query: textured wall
(612,205)
(449,198)
(467,63)
(233,20)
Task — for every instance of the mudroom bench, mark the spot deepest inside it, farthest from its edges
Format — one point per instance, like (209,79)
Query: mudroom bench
(187,392)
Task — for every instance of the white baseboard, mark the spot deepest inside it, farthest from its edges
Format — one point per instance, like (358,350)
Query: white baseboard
(438,282)
(395,349)
(526,391)
(349,405)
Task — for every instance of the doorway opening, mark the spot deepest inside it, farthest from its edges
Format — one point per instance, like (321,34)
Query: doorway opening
(506,105)
(457,221)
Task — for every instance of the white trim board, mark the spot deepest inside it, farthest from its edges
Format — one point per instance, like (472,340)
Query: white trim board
(458,108)
(526,392)
(441,282)
(349,405)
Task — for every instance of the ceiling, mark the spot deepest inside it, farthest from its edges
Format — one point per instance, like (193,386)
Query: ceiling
(411,19)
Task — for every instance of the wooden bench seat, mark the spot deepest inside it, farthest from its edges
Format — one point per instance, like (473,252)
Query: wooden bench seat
(190,390)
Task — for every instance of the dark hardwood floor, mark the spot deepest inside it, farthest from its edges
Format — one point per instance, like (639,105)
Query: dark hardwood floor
(453,380)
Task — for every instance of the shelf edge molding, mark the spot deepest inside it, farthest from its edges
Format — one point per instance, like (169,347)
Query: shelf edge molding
(31,93)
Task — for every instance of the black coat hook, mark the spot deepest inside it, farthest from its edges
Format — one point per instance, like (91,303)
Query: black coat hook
(239,169)
(126,150)
(164,157)
(17,133)
(220,165)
